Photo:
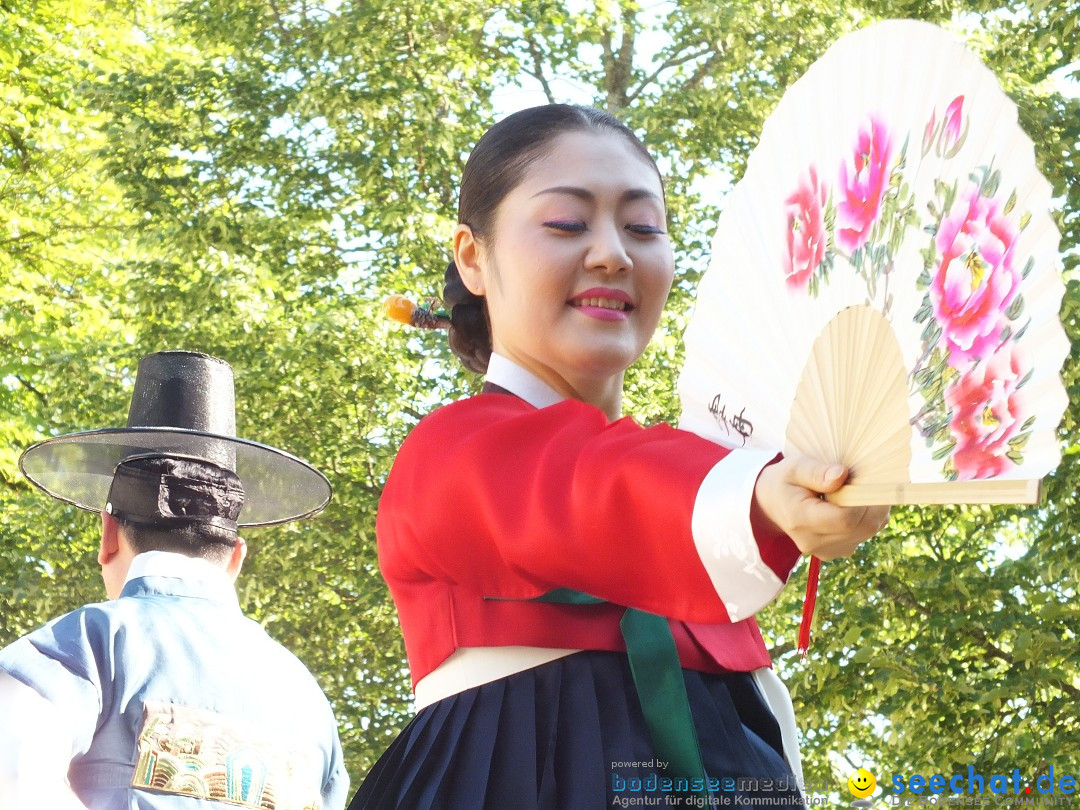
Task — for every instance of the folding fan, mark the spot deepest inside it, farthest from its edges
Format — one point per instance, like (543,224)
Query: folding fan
(884,289)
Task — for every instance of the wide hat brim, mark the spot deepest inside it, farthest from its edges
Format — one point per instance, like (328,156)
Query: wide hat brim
(78,468)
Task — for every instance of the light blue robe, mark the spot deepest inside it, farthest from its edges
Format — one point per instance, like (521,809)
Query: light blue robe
(175,696)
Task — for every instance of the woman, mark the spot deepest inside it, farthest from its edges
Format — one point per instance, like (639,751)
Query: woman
(506,512)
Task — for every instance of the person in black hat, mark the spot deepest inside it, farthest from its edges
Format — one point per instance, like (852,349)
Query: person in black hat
(166,696)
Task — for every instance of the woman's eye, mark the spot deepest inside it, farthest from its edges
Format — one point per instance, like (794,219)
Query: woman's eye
(649,230)
(566,226)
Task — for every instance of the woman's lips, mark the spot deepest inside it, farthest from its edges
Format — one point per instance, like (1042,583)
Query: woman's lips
(603,304)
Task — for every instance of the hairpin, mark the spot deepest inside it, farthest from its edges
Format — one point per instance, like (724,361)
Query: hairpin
(401,309)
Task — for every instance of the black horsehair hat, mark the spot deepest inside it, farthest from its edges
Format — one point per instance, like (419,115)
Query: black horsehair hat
(182,406)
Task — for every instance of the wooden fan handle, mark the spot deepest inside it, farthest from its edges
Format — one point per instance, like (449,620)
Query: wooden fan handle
(987,491)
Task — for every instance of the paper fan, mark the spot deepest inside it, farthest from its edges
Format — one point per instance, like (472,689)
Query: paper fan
(885,288)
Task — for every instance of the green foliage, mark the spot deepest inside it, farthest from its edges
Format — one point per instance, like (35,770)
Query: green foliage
(250,179)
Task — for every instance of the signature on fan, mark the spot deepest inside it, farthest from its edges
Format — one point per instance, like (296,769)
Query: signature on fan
(734,424)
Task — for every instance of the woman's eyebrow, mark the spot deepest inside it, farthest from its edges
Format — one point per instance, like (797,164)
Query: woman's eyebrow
(629,195)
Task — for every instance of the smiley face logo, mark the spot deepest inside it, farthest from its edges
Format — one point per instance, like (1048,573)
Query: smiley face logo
(861,783)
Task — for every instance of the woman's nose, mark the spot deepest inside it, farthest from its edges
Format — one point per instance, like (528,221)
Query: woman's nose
(607,250)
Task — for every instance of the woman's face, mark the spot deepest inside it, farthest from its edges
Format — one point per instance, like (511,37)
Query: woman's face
(578,263)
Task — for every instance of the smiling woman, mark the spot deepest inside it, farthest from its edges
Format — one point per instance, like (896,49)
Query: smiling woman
(577,269)
(577,592)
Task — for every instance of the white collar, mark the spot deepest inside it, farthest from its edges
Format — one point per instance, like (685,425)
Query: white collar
(180,566)
(505,373)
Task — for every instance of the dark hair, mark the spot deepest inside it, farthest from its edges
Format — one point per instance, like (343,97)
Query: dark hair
(495,167)
(205,542)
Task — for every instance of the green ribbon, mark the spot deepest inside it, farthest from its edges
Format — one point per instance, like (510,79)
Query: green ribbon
(658,678)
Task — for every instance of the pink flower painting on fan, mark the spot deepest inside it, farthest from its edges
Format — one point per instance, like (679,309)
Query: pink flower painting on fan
(952,129)
(863,183)
(952,132)
(988,410)
(806,236)
(975,280)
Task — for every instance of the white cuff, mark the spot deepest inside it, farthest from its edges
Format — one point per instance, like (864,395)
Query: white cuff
(724,538)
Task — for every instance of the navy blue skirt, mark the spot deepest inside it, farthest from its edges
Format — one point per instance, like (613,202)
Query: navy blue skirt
(570,735)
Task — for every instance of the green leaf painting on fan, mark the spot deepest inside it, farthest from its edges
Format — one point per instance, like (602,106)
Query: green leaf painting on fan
(975,419)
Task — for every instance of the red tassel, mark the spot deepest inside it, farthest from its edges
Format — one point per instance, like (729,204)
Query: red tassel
(808,605)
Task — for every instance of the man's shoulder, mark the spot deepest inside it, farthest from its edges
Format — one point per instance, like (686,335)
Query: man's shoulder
(59,660)
(73,640)
(76,621)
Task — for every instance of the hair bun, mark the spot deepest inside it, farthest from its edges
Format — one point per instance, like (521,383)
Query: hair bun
(470,332)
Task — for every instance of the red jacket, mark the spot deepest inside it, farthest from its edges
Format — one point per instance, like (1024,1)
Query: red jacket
(491,499)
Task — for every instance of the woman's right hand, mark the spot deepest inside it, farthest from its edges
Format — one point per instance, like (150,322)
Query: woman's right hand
(788,495)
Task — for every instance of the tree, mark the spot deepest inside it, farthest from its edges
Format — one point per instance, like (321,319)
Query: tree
(63,218)
(250,178)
